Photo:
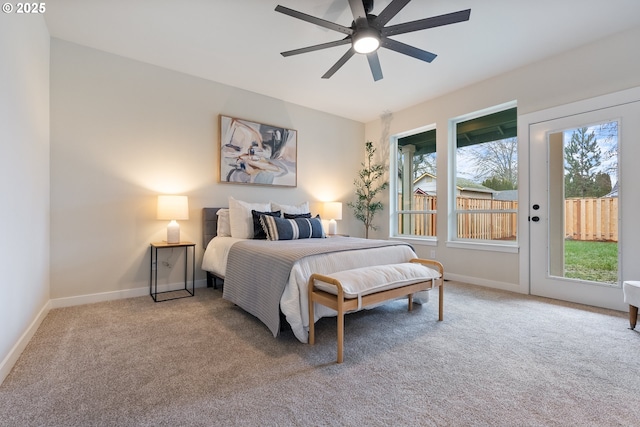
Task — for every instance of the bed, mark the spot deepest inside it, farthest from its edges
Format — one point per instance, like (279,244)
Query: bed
(268,279)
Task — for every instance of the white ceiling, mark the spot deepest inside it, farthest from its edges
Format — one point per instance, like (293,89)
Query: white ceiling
(238,43)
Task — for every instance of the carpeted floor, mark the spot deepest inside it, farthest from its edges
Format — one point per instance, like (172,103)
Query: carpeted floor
(498,359)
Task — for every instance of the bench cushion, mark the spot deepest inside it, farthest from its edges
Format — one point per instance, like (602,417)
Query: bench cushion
(368,280)
(631,290)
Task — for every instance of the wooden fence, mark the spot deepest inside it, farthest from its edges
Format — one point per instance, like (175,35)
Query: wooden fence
(420,224)
(585,219)
(485,225)
(591,219)
(489,226)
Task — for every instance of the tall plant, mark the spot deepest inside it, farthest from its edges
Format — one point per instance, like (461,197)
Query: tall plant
(369,183)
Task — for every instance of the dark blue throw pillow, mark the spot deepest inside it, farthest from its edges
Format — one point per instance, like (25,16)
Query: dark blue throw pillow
(291,229)
(258,231)
(293,216)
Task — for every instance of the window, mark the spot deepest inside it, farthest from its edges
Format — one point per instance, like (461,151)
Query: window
(483,190)
(413,192)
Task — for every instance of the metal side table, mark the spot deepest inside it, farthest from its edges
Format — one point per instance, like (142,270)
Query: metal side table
(153,273)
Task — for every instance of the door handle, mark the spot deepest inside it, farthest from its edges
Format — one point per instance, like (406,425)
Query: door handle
(535,218)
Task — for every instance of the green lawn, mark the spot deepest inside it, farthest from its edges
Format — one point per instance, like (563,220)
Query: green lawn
(595,261)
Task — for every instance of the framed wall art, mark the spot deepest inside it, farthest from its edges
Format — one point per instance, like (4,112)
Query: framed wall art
(256,153)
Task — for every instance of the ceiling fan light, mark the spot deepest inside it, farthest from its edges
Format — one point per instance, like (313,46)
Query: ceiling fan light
(366,42)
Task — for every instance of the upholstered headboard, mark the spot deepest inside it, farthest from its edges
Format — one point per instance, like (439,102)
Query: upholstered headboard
(209,225)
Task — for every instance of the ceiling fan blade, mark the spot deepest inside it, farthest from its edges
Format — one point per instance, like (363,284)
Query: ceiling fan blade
(316,47)
(374,64)
(405,49)
(318,21)
(423,24)
(357,9)
(340,63)
(389,12)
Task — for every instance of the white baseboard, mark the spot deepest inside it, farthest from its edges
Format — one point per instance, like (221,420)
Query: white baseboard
(513,287)
(115,295)
(7,364)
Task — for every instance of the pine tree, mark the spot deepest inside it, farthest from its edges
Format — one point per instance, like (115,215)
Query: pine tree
(602,185)
(582,157)
(368,184)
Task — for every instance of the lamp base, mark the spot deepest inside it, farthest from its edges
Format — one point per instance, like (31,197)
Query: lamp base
(173,232)
(333,227)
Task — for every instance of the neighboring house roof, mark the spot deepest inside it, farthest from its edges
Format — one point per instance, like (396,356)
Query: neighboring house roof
(463,184)
(467,184)
(506,195)
(424,175)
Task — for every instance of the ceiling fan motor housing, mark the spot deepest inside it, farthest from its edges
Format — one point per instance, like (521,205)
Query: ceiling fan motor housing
(368,6)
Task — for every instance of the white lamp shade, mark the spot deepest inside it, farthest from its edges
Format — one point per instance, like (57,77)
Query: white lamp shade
(333,210)
(173,207)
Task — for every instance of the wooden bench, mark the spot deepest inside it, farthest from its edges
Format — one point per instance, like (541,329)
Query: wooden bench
(374,285)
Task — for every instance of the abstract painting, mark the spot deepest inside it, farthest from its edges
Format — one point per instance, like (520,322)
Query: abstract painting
(256,153)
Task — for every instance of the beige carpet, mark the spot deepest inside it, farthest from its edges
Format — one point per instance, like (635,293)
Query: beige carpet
(498,359)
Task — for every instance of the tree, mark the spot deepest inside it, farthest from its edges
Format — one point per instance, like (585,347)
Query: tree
(369,184)
(496,161)
(602,185)
(582,156)
(424,163)
(498,184)
(607,134)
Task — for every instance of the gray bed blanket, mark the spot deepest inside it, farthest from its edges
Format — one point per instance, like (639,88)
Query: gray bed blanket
(258,270)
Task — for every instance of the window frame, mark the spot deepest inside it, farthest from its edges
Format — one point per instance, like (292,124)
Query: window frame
(395,211)
(452,212)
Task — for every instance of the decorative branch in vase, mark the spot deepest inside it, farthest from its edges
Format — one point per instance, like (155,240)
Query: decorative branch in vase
(369,183)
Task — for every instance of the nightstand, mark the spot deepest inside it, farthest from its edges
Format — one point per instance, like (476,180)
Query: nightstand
(153,273)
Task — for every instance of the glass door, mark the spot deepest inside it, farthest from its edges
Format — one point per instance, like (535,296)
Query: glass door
(576,204)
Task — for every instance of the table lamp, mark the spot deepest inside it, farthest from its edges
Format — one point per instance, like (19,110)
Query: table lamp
(173,208)
(333,211)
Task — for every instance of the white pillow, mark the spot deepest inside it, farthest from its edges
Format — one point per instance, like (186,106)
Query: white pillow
(302,208)
(224,226)
(241,219)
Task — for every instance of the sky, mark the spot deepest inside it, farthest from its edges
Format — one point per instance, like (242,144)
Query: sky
(606,136)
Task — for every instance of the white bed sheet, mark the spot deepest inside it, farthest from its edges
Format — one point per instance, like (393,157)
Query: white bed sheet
(215,256)
(294,300)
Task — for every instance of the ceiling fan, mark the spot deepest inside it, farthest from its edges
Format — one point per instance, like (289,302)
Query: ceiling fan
(368,32)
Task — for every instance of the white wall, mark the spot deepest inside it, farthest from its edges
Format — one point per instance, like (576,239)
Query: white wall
(599,68)
(124,131)
(24,181)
